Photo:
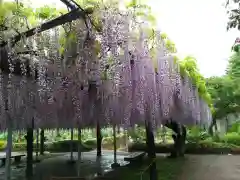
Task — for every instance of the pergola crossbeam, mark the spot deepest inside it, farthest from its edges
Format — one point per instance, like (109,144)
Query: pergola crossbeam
(70,4)
(69,17)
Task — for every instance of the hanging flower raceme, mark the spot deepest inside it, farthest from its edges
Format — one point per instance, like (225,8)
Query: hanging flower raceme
(138,84)
(166,87)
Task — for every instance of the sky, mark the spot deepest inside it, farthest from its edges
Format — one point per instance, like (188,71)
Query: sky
(197,27)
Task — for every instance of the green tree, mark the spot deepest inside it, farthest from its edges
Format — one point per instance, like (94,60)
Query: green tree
(225,96)
(233,14)
(233,69)
(225,90)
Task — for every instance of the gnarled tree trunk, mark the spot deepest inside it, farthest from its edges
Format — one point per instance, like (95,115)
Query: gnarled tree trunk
(179,139)
(151,149)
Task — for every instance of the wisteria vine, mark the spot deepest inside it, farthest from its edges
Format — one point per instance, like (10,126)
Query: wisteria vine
(118,84)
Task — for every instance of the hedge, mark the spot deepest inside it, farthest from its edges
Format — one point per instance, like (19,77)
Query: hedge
(58,146)
(192,148)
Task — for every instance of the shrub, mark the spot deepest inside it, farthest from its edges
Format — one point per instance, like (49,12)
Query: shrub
(19,146)
(23,146)
(195,134)
(231,138)
(107,140)
(202,147)
(210,144)
(235,127)
(58,146)
(91,142)
(137,134)
(3,136)
(2,144)
(64,146)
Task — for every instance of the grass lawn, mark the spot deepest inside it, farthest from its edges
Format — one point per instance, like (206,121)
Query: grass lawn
(168,169)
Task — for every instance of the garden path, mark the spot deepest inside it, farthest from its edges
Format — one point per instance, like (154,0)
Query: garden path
(211,167)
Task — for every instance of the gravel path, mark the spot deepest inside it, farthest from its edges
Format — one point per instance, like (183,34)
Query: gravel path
(211,167)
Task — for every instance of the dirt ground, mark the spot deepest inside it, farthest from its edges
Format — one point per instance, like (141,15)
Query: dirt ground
(211,167)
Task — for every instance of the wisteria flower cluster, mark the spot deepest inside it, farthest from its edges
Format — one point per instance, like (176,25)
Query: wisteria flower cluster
(117,85)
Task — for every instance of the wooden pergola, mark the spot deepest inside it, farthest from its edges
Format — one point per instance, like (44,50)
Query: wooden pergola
(75,12)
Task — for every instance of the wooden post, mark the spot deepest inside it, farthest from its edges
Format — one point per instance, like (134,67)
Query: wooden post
(9,135)
(115,143)
(29,137)
(79,151)
(58,132)
(37,145)
(9,146)
(99,140)
(126,139)
(42,139)
(71,146)
(115,164)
